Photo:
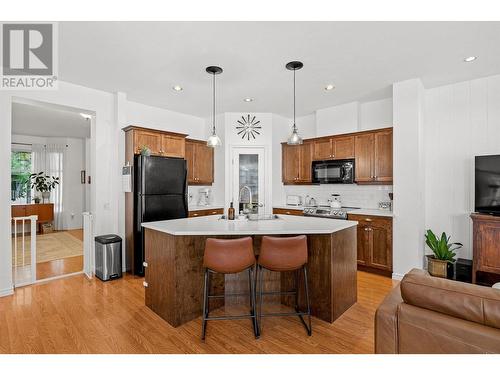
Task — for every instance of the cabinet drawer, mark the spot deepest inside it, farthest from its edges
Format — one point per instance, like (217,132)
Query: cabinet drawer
(283,211)
(198,213)
(369,219)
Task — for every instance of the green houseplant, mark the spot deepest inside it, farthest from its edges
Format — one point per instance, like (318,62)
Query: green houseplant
(43,183)
(442,263)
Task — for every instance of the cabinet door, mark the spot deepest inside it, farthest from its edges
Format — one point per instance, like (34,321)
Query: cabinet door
(364,154)
(18,210)
(364,244)
(383,156)
(381,249)
(204,164)
(149,139)
(322,149)
(189,156)
(172,146)
(343,147)
(305,162)
(290,163)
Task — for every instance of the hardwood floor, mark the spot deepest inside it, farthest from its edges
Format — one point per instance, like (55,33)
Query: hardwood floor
(76,315)
(59,267)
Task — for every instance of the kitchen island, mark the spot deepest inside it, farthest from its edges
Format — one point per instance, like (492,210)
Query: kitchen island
(174,264)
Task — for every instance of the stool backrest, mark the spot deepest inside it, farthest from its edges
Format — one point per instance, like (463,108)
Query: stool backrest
(283,253)
(228,256)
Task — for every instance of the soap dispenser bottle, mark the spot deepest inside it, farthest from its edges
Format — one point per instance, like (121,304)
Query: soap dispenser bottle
(230,212)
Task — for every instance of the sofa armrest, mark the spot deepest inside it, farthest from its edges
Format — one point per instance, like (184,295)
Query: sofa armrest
(464,301)
(386,323)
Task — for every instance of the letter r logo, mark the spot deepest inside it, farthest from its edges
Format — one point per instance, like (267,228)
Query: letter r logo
(27,49)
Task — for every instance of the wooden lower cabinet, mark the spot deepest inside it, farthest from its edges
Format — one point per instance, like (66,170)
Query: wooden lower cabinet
(374,243)
(486,249)
(286,211)
(213,211)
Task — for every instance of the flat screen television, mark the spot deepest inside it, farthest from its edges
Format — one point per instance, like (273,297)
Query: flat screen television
(487,184)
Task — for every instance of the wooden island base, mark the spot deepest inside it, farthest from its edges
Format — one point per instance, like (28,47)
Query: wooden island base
(174,276)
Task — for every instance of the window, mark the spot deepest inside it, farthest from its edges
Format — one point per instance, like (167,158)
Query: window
(20,167)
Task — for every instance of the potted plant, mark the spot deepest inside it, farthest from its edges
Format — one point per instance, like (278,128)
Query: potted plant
(43,183)
(441,264)
(145,151)
(37,199)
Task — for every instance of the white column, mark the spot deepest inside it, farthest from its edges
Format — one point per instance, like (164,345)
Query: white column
(5,224)
(409,182)
(121,122)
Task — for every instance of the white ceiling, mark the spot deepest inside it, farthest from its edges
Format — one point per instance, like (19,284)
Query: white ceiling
(43,121)
(362,59)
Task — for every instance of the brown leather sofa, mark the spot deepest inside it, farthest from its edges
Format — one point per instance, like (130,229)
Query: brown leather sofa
(426,314)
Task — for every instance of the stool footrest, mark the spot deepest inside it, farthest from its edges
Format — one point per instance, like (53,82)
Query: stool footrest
(229,295)
(292,292)
(230,317)
(286,314)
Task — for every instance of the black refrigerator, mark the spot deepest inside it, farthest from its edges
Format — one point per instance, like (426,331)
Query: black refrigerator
(160,193)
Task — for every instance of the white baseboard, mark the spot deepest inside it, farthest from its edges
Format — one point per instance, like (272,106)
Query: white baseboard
(397,276)
(6,292)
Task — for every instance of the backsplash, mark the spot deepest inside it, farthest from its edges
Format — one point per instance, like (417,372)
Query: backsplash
(364,196)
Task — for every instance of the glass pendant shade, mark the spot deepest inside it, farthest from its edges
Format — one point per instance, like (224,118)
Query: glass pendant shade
(214,141)
(294,138)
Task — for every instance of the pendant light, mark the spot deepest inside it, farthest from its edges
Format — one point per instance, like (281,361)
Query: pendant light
(294,138)
(213,140)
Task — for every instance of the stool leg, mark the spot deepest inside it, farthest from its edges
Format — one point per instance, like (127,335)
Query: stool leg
(253,312)
(259,278)
(306,286)
(205,307)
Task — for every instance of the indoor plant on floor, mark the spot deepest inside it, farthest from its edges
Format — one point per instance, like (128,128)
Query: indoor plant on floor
(442,263)
(43,183)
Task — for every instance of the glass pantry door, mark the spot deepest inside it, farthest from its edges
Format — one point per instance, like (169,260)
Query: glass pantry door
(248,180)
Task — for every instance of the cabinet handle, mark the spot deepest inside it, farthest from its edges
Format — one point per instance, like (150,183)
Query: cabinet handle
(145,284)
(368,219)
(214,212)
(287,213)
(366,229)
(145,264)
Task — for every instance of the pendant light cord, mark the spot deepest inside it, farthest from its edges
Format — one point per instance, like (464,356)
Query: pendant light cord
(294,125)
(213,113)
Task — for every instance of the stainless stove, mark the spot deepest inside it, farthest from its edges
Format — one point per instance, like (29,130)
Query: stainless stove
(328,212)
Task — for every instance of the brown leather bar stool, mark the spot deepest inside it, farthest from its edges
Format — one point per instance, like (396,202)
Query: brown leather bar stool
(229,256)
(284,254)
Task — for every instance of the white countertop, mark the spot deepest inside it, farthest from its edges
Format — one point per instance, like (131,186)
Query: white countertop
(209,207)
(358,211)
(214,226)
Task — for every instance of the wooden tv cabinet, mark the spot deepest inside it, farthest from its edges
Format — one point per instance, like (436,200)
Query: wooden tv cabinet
(44,211)
(486,247)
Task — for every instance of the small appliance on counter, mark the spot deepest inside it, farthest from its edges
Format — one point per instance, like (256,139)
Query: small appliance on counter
(335,201)
(385,206)
(294,200)
(204,197)
(310,202)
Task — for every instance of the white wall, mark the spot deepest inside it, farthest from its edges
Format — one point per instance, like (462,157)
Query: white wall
(409,177)
(462,120)
(337,120)
(73,190)
(375,115)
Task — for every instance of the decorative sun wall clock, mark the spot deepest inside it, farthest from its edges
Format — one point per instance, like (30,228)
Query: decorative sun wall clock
(248,126)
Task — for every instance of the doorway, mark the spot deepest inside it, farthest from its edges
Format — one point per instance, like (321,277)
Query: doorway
(248,179)
(50,189)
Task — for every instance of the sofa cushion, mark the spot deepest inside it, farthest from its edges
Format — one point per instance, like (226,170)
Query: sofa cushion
(465,301)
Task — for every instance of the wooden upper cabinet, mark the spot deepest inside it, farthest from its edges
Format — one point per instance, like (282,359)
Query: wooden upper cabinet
(383,156)
(305,162)
(364,155)
(143,138)
(200,162)
(343,147)
(172,146)
(290,163)
(322,149)
(373,152)
(160,143)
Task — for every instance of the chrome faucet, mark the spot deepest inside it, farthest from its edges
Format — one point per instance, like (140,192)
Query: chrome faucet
(249,203)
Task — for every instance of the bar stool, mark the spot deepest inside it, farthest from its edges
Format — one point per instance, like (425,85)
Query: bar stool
(284,254)
(226,257)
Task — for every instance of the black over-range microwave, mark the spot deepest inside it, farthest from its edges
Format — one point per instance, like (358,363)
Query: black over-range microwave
(333,171)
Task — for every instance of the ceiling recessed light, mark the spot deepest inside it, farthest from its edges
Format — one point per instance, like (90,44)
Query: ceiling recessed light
(177,88)
(86,116)
(248,100)
(470,58)
(329,87)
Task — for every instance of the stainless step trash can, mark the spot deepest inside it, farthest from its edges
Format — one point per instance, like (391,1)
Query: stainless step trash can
(108,257)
